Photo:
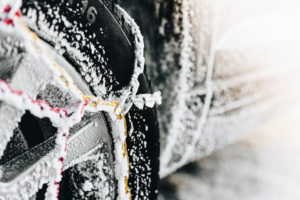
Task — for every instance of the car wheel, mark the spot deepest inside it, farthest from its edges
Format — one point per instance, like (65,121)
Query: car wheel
(97,29)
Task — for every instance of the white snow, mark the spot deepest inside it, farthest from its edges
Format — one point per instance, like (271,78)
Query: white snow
(87,186)
(59,117)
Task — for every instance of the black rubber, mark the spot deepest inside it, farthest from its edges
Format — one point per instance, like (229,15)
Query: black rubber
(108,31)
(117,41)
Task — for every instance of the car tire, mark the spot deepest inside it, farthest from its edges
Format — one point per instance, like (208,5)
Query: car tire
(143,137)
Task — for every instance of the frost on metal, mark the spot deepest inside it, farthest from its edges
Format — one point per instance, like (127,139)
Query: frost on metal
(148,100)
(95,178)
(72,100)
(63,119)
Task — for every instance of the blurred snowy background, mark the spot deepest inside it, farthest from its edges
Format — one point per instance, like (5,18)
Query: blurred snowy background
(263,165)
(229,70)
(225,69)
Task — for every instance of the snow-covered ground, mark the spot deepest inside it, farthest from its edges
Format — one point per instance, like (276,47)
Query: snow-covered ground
(263,165)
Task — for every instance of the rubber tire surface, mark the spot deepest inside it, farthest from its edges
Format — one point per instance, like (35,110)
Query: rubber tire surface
(143,143)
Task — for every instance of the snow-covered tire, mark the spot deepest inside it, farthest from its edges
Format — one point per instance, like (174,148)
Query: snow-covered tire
(213,94)
(102,24)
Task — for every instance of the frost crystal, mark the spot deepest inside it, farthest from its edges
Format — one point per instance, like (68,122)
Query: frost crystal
(76,105)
